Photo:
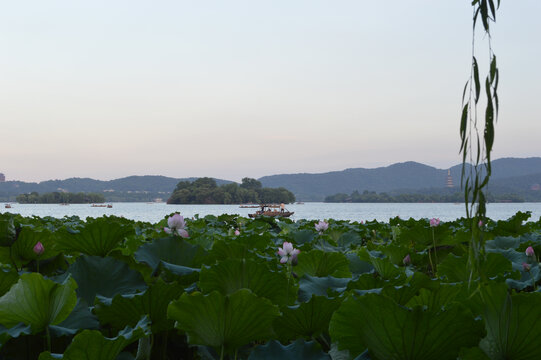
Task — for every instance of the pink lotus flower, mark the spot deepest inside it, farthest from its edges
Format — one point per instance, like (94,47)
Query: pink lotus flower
(288,253)
(407,260)
(530,252)
(480,224)
(237,232)
(526,266)
(38,248)
(176,226)
(321,226)
(434,222)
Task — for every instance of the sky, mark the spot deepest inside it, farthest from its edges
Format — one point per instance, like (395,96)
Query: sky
(233,89)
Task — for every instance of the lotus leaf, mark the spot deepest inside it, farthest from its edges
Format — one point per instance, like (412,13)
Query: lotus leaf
(391,331)
(307,320)
(38,302)
(224,322)
(105,277)
(124,310)
(231,275)
(97,238)
(320,263)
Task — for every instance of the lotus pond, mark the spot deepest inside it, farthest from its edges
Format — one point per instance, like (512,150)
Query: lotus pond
(238,288)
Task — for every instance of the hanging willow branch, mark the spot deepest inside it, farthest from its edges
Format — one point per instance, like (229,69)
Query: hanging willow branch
(477,135)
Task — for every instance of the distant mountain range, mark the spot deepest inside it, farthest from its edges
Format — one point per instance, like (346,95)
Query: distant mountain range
(509,175)
(131,188)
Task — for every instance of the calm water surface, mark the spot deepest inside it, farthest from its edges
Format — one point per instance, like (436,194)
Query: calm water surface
(154,212)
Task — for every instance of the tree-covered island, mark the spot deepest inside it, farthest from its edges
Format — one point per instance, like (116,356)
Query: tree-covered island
(206,191)
(60,198)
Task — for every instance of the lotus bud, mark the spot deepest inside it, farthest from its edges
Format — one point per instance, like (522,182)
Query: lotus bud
(530,252)
(237,232)
(480,223)
(407,260)
(526,267)
(38,248)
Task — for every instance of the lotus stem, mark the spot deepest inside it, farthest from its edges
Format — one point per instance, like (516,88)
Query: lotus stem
(48,335)
(435,254)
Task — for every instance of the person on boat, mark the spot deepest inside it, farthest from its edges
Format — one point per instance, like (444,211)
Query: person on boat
(282,207)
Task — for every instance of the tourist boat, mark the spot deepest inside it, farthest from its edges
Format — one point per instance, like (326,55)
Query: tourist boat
(8,206)
(99,205)
(109,206)
(251,206)
(271,210)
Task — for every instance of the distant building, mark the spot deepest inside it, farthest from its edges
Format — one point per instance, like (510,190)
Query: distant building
(2,177)
(449,183)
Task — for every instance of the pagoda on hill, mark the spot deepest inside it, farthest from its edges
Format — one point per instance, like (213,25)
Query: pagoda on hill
(449,183)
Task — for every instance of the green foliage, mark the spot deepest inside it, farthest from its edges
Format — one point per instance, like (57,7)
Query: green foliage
(350,293)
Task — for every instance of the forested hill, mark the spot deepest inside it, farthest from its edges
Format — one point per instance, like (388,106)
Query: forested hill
(510,175)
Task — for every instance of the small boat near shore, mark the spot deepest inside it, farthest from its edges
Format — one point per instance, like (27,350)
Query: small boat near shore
(271,210)
(102,205)
(7,206)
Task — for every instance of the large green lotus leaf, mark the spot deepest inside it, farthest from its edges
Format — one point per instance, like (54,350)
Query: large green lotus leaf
(79,319)
(228,276)
(124,310)
(222,250)
(38,302)
(224,321)
(300,349)
(22,250)
(105,277)
(7,231)
(92,345)
(307,320)
(302,237)
(349,240)
(97,238)
(8,277)
(391,331)
(512,323)
(321,286)
(319,263)
(171,250)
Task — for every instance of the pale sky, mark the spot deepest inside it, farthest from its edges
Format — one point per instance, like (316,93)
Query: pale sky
(229,89)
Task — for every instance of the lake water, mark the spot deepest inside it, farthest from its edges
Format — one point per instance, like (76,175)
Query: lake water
(154,212)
